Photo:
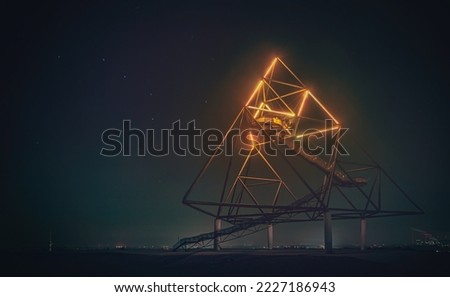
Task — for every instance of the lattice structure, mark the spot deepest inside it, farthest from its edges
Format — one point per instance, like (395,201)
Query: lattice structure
(286,164)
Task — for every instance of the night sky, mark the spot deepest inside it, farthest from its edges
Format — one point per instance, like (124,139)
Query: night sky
(72,70)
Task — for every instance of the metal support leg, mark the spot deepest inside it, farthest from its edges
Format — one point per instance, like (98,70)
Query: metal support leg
(328,233)
(270,236)
(362,238)
(217,228)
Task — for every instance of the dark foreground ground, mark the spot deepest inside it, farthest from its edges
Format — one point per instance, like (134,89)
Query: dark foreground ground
(226,263)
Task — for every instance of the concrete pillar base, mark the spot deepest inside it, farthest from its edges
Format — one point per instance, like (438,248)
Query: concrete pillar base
(270,236)
(362,234)
(328,234)
(217,228)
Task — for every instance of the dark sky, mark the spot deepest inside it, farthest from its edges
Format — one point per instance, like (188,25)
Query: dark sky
(72,70)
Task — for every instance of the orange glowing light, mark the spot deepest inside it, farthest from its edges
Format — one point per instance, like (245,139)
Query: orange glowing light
(305,96)
(259,109)
(278,97)
(250,137)
(254,92)
(289,114)
(290,71)
(271,66)
(323,107)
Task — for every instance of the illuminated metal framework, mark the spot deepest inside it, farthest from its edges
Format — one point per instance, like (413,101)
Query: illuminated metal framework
(260,189)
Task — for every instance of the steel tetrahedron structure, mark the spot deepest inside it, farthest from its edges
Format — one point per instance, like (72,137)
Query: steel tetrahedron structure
(283,160)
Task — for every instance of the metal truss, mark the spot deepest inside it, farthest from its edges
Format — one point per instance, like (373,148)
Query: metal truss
(262,188)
